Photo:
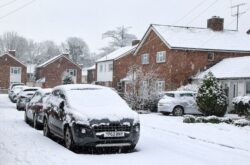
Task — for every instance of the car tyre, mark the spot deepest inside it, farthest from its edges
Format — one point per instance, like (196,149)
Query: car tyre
(68,139)
(178,111)
(165,113)
(25,117)
(35,124)
(46,131)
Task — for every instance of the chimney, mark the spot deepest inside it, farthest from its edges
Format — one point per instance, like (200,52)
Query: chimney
(248,32)
(12,52)
(66,55)
(135,42)
(215,23)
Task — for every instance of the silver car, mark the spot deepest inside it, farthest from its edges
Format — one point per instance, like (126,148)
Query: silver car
(178,103)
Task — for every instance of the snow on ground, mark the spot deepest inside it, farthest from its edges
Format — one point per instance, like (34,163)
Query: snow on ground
(164,140)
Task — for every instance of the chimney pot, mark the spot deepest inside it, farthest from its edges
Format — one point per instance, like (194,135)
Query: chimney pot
(12,52)
(135,42)
(215,23)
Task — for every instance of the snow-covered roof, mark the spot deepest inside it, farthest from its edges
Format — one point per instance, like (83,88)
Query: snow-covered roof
(31,68)
(92,67)
(238,67)
(7,54)
(117,53)
(84,72)
(54,59)
(178,37)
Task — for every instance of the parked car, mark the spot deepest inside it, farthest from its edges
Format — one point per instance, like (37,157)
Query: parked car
(24,96)
(34,110)
(14,90)
(178,103)
(91,116)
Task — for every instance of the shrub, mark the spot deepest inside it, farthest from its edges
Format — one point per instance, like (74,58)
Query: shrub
(211,98)
(242,105)
(189,119)
(242,122)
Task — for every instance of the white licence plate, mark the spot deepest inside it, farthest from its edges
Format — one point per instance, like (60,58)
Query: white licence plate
(114,134)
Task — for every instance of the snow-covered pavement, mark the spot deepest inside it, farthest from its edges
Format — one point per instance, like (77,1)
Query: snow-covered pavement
(164,140)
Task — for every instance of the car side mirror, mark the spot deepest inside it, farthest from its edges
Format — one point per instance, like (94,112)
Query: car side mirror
(61,105)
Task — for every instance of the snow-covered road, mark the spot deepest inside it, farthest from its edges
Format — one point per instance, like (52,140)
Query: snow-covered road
(164,140)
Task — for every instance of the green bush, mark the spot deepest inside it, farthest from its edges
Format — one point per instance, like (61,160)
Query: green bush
(211,98)
(241,105)
(189,119)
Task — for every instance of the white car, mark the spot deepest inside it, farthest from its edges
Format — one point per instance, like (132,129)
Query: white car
(178,103)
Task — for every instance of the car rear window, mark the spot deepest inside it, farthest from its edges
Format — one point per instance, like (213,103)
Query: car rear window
(169,94)
(186,94)
(26,90)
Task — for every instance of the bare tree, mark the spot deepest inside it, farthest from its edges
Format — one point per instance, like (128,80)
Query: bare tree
(141,90)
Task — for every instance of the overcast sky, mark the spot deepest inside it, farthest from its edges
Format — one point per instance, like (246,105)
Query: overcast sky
(58,19)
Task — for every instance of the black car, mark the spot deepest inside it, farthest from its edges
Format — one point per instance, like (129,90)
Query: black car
(35,107)
(91,116)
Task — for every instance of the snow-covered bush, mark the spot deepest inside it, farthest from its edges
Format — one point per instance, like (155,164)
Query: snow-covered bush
(189,119)
(242,105)
(242,122)
(211,98)
(189,87)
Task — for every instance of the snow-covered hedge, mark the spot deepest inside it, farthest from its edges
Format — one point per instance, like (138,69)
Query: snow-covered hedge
(189,87)
(216,120)
(242,105)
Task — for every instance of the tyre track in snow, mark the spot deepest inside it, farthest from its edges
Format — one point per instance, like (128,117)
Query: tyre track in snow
(193,138)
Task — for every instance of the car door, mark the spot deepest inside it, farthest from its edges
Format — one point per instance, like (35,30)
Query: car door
(30,106)
(190,105)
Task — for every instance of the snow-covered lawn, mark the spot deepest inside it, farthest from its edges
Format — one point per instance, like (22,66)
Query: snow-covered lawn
(164,140)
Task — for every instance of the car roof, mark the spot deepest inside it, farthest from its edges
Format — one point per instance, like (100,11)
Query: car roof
(180,92)
(31,88)
(79,86)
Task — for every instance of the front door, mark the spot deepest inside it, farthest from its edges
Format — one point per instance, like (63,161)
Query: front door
(15,74)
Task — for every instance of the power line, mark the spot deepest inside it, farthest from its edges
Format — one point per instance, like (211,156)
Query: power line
(6,4)
(202,12)
(17,9)
(238,13)
(189,12)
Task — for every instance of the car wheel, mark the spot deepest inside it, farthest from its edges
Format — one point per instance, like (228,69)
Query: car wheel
(17,107)
(178,111)
(165,113)
(68,139)
(25,117)
(46,131)
(35,124)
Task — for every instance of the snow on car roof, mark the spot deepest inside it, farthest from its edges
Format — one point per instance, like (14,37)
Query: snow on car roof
(237,67)
(45,90)
(202,38)
(179,92)
(79,86)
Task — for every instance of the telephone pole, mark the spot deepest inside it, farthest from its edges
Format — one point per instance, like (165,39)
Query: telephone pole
(238,13)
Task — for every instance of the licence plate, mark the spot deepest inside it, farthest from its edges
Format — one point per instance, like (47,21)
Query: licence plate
(114,134)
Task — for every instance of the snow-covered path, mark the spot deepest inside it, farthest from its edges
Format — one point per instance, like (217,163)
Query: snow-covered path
(164,140)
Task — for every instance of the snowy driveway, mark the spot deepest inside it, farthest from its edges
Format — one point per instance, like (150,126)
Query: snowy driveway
(164,140)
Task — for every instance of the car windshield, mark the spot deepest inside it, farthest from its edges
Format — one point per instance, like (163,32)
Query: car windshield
(94,97)
(169,94)
(186,95)
(31,89)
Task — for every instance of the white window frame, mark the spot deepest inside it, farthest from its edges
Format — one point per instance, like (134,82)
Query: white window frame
(101,68)
(145,58)
(209,55)
(15,70)
(160,85)
(161,57)
(110,67)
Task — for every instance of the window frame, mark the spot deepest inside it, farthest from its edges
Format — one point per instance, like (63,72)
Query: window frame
(209,55)
(161,57)
(162,82)
(69,71)
(145,58)
(248,90)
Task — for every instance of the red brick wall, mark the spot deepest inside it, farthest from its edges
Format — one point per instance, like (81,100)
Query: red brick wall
(180,64)
(5,63)
(53,72)
(121,67)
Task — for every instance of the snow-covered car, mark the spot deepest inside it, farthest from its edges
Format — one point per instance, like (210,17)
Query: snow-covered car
(34,111)
(178,103)
(13,91)
(24,97)
(91,116)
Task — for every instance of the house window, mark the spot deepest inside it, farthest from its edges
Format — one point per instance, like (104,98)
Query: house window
(15,70)
(210,56)
(247,87)
(145,58)
(101,67)
(160,86)
(110,67)
(71,72)
(161,56)
(104,67)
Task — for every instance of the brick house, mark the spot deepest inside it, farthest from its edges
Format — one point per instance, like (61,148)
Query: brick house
(177,53)
(51,73)
(11,70)
(114,66)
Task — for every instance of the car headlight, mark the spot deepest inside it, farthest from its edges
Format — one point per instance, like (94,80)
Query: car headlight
(137,128)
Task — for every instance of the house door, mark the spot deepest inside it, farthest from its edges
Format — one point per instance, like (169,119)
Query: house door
(15,74)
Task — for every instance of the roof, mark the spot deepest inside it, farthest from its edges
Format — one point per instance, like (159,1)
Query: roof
(237,67)
(91,68)
(7,54)
(179,37)
(117,53)
(54,59)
